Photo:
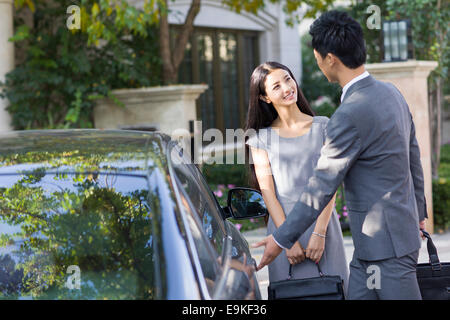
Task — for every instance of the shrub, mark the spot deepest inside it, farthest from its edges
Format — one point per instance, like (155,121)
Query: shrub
(225,174)
(444,167)
(441,203)
(341,209)
(441,192)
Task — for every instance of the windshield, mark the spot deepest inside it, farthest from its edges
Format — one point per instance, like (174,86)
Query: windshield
(78,236)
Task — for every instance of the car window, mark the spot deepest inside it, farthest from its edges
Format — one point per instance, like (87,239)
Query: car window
(202,199)
(83,236)
(208,257)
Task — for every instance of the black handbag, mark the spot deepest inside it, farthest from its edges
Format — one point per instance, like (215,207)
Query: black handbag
(433,277)
(323,287)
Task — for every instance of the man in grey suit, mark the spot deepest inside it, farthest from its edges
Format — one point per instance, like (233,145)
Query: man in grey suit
(372,148)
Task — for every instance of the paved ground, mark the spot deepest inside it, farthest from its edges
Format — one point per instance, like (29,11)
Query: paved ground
(441,241)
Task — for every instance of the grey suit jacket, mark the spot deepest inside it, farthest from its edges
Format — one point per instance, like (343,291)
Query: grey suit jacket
(370,146)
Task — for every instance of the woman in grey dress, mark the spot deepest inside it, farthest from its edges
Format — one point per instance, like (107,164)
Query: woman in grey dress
(285,139)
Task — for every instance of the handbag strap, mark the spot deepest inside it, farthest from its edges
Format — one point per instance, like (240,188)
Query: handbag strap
(432,252)
(318,269)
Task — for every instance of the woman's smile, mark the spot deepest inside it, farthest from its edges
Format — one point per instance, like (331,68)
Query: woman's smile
(290,96)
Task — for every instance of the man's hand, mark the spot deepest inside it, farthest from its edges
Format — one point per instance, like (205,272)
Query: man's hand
(271,251)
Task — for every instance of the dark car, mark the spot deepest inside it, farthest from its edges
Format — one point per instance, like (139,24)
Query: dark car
(93,214)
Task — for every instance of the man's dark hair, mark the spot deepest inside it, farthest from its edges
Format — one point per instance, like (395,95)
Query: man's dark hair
(337,33)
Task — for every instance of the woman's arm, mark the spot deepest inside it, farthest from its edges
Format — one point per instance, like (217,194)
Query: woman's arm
(265,180)
(316,244)
(324,217)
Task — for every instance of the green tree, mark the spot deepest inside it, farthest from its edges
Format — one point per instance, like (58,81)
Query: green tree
(62,72)
(102,19)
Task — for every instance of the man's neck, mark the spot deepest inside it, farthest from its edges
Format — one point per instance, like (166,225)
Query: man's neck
(346,75)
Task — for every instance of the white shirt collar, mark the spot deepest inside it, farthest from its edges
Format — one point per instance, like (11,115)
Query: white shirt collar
(360,77)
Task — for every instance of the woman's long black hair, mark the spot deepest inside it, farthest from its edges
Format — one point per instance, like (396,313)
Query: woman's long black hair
(261,114)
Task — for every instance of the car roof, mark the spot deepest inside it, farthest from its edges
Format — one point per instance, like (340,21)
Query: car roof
(82,150)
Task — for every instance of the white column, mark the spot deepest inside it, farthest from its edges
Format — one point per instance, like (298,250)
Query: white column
(6,55)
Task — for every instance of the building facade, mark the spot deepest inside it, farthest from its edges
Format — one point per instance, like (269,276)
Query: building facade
(223,51)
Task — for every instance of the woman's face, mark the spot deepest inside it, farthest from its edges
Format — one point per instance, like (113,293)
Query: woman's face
(281,89)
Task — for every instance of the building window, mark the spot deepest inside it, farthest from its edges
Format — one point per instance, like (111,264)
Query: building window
(224,59)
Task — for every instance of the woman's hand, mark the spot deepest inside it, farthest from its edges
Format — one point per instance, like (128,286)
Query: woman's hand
(422,226)
(296,254)
(316,246)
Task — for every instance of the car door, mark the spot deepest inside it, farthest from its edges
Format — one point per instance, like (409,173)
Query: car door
(241,273)
(234,278)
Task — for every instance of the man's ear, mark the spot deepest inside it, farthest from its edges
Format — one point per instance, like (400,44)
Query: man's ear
(332,60)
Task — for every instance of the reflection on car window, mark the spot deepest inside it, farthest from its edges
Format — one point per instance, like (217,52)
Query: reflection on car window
(201,198)
(81,236)
(208,258)
(204,220)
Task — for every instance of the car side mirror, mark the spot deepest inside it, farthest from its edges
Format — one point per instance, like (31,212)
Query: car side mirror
(245,203)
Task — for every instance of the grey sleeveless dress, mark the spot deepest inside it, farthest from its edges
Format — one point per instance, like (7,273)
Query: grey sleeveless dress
(292,162)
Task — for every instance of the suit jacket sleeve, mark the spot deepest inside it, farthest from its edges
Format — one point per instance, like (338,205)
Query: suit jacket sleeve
(417,174)
(342,147)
